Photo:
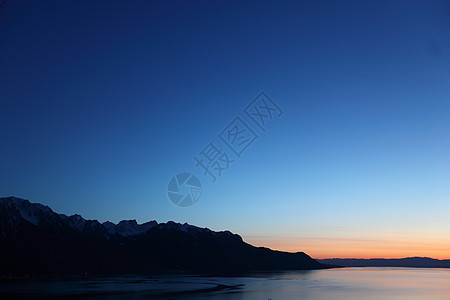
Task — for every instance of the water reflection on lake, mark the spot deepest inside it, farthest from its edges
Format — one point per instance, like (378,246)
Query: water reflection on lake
(349,283)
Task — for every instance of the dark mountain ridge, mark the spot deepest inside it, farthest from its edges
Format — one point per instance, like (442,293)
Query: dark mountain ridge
(36,240)
(407,262)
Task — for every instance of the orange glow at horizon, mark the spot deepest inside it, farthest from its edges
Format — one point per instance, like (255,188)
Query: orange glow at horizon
(332,247)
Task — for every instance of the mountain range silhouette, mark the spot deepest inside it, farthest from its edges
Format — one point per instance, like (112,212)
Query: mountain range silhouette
(407,262)
(36,240)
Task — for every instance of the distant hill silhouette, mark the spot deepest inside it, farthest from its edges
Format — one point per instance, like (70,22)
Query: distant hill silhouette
(36,240)
(410,262)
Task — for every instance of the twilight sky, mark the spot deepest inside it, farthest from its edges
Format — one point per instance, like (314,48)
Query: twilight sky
(102,103)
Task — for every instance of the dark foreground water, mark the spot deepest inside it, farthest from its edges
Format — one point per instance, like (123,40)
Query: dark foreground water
(349,283)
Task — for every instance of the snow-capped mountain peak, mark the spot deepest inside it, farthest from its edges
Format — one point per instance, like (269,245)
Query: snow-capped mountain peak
(19,209)
(76,221)
(34,213)
(128,227)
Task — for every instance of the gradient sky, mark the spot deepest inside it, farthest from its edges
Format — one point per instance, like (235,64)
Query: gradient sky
(102,103)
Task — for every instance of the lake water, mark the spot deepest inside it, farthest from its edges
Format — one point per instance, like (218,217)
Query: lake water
(348,283)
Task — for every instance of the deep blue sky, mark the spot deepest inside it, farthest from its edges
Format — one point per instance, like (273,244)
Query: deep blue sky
(101,103)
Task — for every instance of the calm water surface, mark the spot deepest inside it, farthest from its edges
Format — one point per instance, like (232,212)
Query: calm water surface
(349,283)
